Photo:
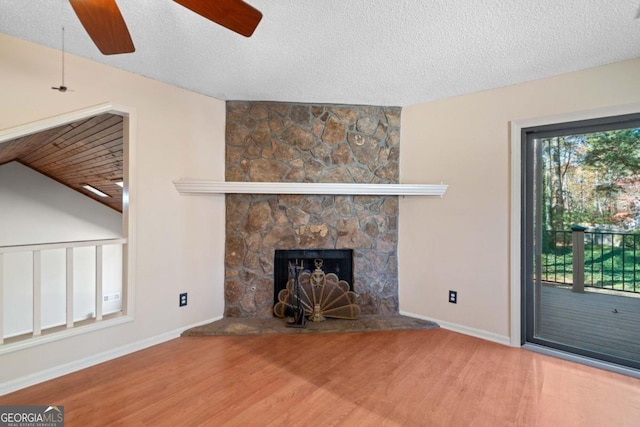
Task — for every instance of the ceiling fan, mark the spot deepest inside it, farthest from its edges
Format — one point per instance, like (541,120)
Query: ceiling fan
(106,27)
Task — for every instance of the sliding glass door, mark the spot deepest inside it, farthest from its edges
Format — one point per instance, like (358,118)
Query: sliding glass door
(581,238)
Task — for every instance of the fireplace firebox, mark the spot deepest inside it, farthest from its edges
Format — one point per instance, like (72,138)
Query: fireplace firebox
(338,261)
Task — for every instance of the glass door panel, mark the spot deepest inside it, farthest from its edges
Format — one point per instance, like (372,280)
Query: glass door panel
(581,238)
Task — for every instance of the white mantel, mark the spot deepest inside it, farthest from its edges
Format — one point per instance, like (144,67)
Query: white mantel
(200,186)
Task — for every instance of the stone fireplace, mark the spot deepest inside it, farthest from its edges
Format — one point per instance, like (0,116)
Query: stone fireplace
(281,142)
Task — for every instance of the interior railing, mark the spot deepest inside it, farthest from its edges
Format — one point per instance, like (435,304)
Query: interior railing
(61,275)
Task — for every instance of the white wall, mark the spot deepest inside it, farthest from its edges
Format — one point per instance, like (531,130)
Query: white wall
(461,242)
(179,240)
(36,209)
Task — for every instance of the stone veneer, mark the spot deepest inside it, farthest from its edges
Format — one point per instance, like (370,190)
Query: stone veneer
(282,142)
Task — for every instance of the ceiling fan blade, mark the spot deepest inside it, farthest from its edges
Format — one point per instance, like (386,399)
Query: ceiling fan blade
(235,15)
(104,23)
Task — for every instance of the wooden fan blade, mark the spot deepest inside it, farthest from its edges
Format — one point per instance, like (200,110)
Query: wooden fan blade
(104,23)
(235,15)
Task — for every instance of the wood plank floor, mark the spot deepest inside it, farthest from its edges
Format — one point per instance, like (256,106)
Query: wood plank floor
(600,322)
(393,378)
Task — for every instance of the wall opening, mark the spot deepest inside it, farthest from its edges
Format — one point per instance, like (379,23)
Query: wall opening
(113,144)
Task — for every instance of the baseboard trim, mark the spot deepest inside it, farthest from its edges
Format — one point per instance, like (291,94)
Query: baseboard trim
(67,368)
(478,333)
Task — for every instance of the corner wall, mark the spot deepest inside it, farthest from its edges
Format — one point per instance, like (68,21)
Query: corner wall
(462,242)
(179,239)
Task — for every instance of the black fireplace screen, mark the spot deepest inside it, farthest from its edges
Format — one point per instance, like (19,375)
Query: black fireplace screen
(338,261)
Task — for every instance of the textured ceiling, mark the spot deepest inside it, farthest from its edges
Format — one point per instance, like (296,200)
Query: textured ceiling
(380,52)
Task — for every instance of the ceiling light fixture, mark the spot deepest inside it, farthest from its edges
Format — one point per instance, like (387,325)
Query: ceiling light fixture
(94,190)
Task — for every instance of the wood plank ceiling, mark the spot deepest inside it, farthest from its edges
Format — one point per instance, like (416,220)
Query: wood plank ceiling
(88,151)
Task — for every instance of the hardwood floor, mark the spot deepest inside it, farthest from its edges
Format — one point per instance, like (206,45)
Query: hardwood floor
(396,378)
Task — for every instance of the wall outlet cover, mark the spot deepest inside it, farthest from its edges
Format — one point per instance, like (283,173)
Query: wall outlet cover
(453,297)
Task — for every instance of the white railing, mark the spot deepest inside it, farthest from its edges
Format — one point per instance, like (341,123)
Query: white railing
(71,291)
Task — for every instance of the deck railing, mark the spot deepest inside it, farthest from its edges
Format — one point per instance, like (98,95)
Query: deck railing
(53,291)
(596,259)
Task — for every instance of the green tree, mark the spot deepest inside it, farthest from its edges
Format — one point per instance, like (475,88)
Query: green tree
(560,155)
(615,153)
(586,178)
(614,156)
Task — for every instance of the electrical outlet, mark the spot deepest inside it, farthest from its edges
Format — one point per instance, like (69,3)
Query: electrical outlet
(183,299)
(453,297)
(111,297)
